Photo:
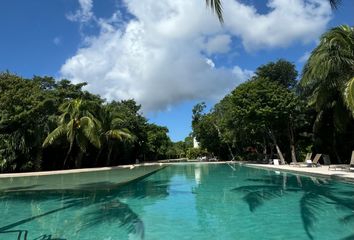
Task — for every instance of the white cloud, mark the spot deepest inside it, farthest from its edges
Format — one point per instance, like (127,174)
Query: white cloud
(157,57)
(57,41)
(218,44)
(210,62)
(287,22)
(84,14)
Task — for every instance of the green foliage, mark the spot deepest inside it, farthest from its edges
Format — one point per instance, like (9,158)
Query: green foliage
(158,142)
(259,114)
(281,71)
(71,124)
(78,125)
(327,82)
(194,153)
(329,70)
(25,118)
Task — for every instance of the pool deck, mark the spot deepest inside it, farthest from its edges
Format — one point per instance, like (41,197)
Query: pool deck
(317,171)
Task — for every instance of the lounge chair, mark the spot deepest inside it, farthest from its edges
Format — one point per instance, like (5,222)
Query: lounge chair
(276,162)
(311,163)
(348,167)
(315,162)
(302,164)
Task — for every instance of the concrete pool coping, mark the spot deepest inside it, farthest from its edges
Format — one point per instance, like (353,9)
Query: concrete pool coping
(84,170)
(69,171)
(321,171)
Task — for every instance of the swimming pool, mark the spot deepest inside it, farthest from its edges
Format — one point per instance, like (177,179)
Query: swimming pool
(186,201)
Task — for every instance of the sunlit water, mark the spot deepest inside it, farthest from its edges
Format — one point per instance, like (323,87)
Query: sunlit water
(192,201)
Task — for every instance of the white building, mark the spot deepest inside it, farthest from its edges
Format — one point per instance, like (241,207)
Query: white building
(195,143)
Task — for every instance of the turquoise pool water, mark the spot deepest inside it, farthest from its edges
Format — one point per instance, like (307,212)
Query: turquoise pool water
(191,201)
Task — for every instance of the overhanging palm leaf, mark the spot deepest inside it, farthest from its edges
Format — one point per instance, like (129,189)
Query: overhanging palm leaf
(334,3)
(328,75)
(216,7)
(54,135)
(90,129)
(118,134)
(349,94)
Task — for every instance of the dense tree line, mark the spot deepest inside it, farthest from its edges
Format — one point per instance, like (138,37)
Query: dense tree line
(47,124)
(272,113)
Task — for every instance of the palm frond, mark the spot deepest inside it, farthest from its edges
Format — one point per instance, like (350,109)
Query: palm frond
(81,141)
(216,6)
(54,135)
(70,130)
(333,55)
(334,3)
(116,122)
(349,95)
(91,131)
(118,134)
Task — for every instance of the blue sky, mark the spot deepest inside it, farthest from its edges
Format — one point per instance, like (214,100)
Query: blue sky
(168,55)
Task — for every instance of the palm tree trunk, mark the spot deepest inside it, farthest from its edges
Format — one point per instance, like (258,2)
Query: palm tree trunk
(68,153)
(78,160)
(227,144)
(292,141)
(110,148)
(334,145)
(38,160)
(280,154)
(98,155)
(265,150)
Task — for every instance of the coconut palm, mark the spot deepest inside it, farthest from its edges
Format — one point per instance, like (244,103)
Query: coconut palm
(216,6)
(111,131)
(329,71)
(78,125)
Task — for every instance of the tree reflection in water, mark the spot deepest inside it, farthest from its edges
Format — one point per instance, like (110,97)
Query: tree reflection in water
(316,193)
(92,205)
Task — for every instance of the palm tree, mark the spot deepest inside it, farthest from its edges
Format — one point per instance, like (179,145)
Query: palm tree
(78,125)
(216,6)
(330,68)
(328,80)
(110,132)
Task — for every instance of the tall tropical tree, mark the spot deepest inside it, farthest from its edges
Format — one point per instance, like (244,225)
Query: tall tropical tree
(111,131)
(78,125)
(330,68)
